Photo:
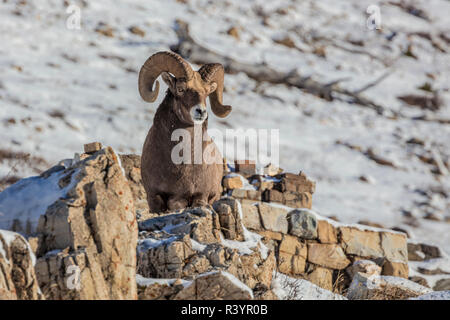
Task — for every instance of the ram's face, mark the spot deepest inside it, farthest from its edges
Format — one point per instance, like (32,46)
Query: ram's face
(190,97)
(190,88)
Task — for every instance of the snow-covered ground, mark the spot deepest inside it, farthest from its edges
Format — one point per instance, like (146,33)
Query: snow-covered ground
(62,87)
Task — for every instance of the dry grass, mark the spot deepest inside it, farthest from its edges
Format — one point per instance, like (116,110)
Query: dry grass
(340,283)
(17,160)
(391,293)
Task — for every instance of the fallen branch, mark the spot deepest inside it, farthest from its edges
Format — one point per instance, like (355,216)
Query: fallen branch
(188,48)
(373,83)
(370,154)
(442,169)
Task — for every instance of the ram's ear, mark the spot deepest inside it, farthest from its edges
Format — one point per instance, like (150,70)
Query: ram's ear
(169,80)
(212,87)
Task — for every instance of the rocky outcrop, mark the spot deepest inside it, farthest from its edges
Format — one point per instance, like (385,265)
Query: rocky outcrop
(374,287)
(321,250)
(215,286)
(17,276)
(188,244)
(285,188)
(87,240)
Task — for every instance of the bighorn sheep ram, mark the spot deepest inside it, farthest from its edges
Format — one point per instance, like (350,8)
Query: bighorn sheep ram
(172,186)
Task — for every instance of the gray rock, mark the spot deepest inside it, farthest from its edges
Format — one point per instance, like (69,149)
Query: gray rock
(373,287)
(303,224)
(442,285)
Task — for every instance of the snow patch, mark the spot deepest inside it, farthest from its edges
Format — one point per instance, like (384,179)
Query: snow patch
(252,240)
(197,246)
(29,198)
(436,295)
(145,282)
(288,288)
(150,243)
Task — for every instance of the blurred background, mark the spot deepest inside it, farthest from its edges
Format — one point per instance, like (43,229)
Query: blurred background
(358,89)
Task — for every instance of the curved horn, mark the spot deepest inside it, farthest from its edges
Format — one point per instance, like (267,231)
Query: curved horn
(152,68)
(213,72)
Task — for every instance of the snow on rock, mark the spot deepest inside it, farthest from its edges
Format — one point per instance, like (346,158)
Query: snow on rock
(145,282)
(204,287)
(17,275)
(24,202)
(288,288)
(375,287)
(436,295)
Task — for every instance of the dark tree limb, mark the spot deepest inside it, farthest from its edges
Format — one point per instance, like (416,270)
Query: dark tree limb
(189,49)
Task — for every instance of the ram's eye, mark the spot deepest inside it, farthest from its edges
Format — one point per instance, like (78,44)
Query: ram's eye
(180,90)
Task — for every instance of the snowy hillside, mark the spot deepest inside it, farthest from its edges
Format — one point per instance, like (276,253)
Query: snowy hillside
(62,87)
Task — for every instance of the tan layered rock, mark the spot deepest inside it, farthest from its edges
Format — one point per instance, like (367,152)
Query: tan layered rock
(157,291)
(201,224)
(396,269)
(239,193)
(178,252)
(273,196)
(229,219)
(394,246)
(215,286)
(98,216)
(75,275)
(327,255)
(254,270)
(245,167)
(273,218)
(17,276)
(131,164)
(322,277)
(293,182)
(326,232)
(292,256)
(297,199)
(272,170)
(250,216)
(361,242)
(92,147)
(254,195)
(267,234)
(233,182)
(263,185)
(166,258)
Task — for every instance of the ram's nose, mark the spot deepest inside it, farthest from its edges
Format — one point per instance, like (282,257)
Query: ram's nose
(199,114)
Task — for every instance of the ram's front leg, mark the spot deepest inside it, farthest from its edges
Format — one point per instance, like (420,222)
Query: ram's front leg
(156,202)
(200,200)
(176,203)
